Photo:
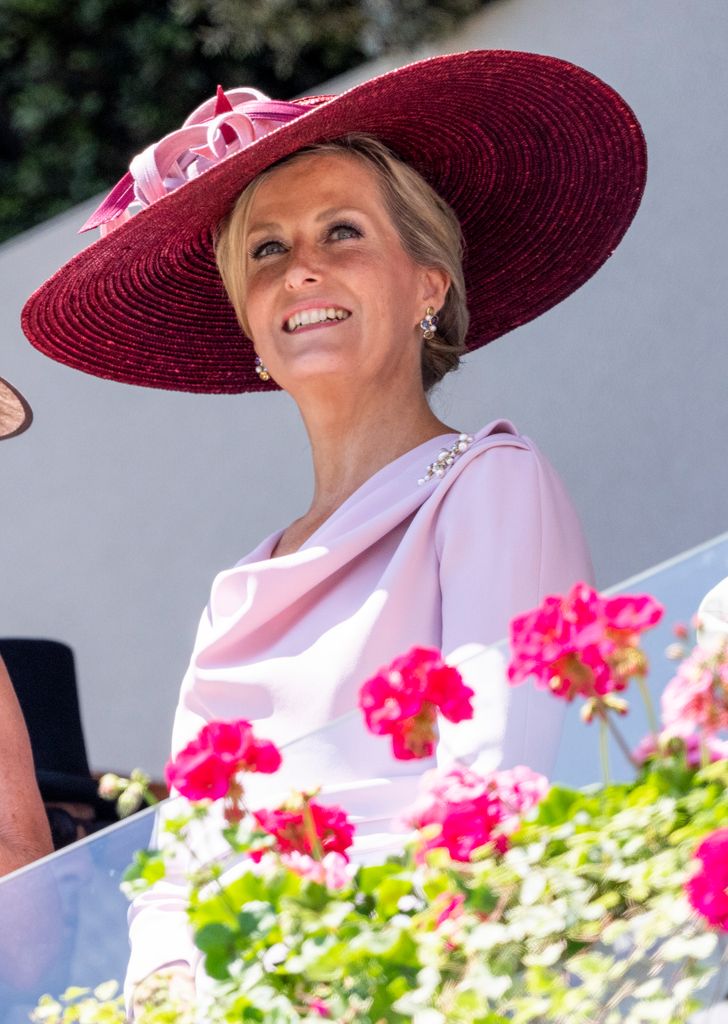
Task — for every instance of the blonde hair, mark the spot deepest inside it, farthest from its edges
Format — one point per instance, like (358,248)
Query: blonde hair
(427,227)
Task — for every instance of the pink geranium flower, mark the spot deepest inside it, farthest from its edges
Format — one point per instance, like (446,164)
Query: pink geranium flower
(582,644)
(681,737)
(451,908)
(318,1007)
(698,692)
(632,614)
(205,768)
(403,699)
(333,871)
(311,829)
(519,789)
(472,810)
(707,890)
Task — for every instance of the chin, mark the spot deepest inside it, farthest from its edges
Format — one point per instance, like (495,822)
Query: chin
(321,365)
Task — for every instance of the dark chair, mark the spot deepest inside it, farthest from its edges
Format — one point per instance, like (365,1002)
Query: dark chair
(43,674)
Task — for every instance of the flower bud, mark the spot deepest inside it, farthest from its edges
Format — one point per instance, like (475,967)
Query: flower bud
(111,786)
(141,777)
(130,800)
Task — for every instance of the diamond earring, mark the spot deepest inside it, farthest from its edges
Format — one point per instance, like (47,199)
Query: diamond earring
(261,369)
(428,324)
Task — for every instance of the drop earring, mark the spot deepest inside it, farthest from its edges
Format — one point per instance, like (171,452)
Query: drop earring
(428,324)
(261,369)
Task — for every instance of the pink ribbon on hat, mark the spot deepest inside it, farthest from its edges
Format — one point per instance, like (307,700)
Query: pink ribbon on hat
(216,129)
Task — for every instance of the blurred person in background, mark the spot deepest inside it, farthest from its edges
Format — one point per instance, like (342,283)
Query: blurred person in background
(24,832)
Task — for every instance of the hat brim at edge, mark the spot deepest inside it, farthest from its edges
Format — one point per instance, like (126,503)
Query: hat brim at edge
(15,413)
(543,163)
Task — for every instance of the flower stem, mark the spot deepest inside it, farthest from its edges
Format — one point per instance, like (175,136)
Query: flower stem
(704,750)
(649,705)
(309,826)
(604,748)
(619,739)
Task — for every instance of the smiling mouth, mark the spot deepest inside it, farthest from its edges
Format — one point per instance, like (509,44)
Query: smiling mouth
(311,317)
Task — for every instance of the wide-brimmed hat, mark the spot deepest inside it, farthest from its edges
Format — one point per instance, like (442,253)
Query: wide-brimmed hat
(543,163)
(15,413)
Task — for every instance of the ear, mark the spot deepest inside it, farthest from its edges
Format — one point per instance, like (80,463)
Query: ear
(435,286)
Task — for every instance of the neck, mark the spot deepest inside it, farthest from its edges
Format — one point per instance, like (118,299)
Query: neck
(350,441)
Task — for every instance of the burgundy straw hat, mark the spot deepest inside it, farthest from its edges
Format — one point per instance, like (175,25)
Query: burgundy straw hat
(15,413)
(543,163)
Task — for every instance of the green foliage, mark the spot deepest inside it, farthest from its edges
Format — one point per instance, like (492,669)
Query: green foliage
(147,868)
(579,912)
(103,1005)
(86,85)
(583,919)
(305,42)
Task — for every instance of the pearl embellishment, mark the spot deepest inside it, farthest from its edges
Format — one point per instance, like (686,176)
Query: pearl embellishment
(445,459)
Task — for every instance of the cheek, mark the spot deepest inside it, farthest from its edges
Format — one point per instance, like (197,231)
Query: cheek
(256,293)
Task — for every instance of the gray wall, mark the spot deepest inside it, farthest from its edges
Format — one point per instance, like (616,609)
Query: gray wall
(120,504)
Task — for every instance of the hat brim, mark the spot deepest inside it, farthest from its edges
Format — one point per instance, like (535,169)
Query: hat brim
(15,413)
(543,163)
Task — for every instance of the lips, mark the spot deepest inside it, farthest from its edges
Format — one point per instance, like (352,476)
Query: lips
(313,316)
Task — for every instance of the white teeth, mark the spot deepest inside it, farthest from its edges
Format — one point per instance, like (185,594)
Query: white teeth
(315,316)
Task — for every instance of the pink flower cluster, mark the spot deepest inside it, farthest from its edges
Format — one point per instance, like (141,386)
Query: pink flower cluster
(403,699)
(310,829)
(698,693)
(681,738)
(472,810)
(707,890)
(582,644)
(333,870)
(206,767)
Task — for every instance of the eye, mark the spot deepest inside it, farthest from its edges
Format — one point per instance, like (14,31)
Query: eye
(344,230)
(263,249)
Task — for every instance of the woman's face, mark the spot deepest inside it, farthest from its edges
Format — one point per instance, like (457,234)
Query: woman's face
(330,292)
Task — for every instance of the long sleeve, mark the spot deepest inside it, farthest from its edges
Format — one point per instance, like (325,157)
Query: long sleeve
(507,535)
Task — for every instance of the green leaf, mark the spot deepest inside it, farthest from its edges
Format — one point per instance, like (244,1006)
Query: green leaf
(146,868)
(388,894)
(217,942)
(370,877)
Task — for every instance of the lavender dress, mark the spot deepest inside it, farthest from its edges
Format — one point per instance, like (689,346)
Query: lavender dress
(286,642)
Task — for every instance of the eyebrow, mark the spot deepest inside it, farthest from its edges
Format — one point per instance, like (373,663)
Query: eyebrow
(330,211)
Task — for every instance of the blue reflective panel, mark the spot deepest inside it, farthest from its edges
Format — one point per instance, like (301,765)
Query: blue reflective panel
(63,919)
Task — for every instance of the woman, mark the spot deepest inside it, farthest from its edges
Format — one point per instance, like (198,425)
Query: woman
(336,225)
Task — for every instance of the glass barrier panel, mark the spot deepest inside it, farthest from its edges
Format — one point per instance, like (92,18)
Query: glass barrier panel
(63,919)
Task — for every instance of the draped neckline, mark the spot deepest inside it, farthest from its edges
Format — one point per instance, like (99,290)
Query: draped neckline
(418,456)
(264,551)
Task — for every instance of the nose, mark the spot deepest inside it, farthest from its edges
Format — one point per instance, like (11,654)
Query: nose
(303,268)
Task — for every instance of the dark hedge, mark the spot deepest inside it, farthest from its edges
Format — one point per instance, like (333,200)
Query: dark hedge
(86,84)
